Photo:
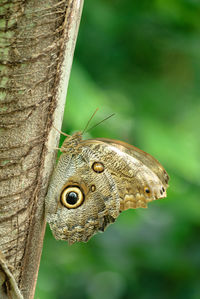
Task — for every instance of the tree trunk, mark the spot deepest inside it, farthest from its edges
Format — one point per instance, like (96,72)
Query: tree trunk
(37,40)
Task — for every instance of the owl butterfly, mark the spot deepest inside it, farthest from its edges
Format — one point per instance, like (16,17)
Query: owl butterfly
(94,181)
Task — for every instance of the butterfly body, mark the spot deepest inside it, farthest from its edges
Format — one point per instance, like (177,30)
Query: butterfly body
(94,181)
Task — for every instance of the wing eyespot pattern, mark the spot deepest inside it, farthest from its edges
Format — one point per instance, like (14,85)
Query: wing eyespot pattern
(92,188)
(72,197)
(98,167)
(147,190)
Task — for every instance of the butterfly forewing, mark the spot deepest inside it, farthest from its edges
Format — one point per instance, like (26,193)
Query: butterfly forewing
(139,177)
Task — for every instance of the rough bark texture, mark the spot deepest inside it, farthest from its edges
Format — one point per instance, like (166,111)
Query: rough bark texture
(37,41)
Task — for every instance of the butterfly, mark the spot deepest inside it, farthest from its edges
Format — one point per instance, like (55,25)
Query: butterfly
(96,179)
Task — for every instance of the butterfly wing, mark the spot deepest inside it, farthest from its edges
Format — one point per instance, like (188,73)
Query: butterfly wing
(110,176)
(100,205)
(140,178)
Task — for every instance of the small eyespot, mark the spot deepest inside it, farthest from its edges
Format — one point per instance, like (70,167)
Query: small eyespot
(98,167)
(147,190)
(72,197)
(163,189)
(92,188)
(161,192)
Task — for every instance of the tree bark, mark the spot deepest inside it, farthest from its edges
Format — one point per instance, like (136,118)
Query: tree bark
(37,40)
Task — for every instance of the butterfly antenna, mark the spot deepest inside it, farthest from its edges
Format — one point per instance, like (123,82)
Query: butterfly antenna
(101,121)
(90,120)
(61,132)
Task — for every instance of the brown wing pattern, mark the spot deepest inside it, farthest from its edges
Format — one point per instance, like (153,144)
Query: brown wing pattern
(139,177)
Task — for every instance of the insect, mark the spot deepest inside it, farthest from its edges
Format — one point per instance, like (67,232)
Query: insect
(94,181)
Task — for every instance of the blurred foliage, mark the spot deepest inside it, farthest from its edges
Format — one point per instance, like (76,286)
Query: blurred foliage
(140,60)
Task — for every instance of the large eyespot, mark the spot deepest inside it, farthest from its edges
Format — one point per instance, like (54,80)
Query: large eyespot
(98,167)
(72,197)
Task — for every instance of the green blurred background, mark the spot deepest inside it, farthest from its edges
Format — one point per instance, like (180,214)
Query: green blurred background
(139,59)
